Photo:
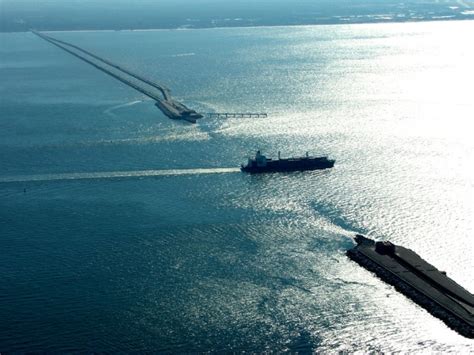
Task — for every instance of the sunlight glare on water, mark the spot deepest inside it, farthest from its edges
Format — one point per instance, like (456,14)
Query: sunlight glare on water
(200,257)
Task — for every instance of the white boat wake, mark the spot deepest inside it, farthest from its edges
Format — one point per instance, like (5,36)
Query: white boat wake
(116,174)
(110,111)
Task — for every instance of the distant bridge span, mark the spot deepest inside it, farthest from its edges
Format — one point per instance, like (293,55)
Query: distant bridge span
(164,90)
(171,108)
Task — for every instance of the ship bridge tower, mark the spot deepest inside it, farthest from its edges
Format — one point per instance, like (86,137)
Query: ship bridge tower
(260,159)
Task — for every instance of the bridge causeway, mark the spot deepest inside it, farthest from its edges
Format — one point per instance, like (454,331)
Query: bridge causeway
(170,107)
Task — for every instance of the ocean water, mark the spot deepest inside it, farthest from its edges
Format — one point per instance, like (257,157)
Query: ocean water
(122,230)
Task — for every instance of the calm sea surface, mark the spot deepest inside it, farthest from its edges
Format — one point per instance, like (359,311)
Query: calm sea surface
(124,230)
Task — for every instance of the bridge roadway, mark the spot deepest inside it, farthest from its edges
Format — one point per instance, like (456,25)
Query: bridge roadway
(166,104)
(164,90)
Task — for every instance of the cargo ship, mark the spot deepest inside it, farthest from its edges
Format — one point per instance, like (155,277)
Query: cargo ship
(420,281)
(263,164)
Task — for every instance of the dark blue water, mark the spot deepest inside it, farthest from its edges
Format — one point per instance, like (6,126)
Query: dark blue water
(122,230)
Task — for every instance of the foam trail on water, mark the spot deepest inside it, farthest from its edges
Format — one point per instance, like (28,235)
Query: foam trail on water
(110,110)
(116,174)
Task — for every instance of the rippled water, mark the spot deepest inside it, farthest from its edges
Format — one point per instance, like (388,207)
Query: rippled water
(124,230)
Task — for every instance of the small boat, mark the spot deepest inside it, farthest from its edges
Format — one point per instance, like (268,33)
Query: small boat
(262,164)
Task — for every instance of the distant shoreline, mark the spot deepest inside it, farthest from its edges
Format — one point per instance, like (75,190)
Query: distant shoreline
(186,28)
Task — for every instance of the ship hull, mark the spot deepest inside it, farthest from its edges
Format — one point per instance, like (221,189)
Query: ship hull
(285,165)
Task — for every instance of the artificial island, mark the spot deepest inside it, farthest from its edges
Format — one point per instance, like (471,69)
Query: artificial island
(418,280)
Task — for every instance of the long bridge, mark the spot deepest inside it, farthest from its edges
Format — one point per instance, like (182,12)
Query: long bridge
(236,114)
(161,94)
(170,107)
